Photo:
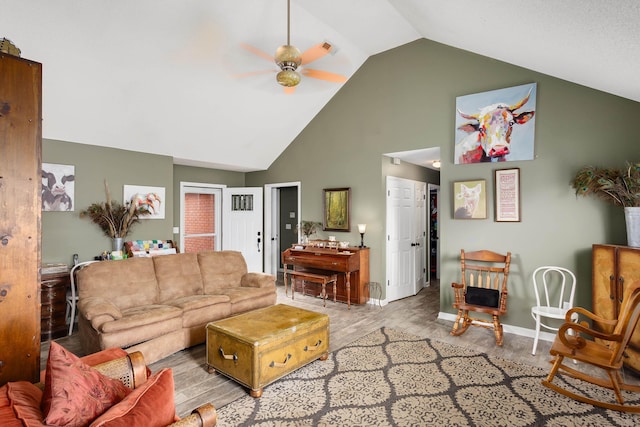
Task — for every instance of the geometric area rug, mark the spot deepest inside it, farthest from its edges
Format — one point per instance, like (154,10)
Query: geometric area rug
(390,378)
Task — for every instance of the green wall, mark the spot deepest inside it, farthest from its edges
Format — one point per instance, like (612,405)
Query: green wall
(404,99)
(65,233)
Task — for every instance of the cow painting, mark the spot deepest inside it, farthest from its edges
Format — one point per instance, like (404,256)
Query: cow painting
(487,133)
(57,187)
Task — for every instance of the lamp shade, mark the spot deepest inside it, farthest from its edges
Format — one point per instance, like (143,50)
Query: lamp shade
(362,228)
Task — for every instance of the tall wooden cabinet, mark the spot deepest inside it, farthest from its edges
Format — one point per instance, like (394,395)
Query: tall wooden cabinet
(20,186)
(616,271)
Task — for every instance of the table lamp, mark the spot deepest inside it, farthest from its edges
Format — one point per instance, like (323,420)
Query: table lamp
(361,229)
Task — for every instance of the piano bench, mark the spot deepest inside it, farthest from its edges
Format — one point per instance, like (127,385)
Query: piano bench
(307,276)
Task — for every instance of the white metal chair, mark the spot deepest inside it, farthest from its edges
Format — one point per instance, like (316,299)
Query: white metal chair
(72,295)
(555,289)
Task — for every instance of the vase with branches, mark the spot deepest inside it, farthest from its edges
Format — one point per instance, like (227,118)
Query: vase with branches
(307,228)
(114,219)
(618,186)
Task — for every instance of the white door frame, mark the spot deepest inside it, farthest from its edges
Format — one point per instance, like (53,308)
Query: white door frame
(271,223)
(184,186)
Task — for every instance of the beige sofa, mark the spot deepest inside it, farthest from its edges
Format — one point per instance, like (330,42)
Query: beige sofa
(161,305)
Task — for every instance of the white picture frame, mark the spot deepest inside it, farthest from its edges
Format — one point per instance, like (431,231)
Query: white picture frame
(146,197)
(58,187)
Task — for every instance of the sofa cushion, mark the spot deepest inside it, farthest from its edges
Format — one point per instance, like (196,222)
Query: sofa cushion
(221,269)
(139,330)
(74,393)
(20,405)
(195,302)
(140,316)
(126,283)
(241,294)
(178,276)
(149,405)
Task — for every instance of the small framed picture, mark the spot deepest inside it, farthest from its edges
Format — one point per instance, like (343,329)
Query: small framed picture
(470,199)
(336,205)
(507,182)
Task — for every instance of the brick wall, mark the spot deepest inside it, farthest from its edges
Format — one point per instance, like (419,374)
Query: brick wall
(199,212)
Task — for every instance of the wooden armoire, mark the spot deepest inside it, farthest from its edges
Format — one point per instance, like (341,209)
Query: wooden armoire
(616,271)
(20,187)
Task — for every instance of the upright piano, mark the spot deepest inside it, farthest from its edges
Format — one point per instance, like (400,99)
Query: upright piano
(351,262)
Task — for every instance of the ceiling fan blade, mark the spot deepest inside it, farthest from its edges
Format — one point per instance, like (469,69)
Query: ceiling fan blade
(253,73)
(324,75)
(289,90)
(257,51)
(316,52)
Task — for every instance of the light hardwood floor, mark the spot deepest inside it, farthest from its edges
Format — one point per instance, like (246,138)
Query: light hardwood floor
(417,315)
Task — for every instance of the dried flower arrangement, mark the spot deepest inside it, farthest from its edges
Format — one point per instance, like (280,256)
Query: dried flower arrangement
(620,187)
(308,227)
(113,218)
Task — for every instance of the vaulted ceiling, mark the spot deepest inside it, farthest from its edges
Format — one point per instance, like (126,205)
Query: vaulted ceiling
(172,77)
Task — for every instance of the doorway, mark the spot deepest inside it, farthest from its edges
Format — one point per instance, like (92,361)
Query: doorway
(434,232)
(406,237)
(200,217)
(282,216)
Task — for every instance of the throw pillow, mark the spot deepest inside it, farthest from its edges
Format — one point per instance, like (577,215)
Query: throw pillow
(23,405)
(148,405)
(75,393)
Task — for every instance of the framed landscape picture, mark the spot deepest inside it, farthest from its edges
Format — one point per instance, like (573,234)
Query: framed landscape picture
(336,206)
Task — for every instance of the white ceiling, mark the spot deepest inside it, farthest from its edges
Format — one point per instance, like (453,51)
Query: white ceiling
(161,76)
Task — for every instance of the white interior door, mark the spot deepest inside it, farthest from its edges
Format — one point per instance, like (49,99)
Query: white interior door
(400,253)
(420,236)
(242,224)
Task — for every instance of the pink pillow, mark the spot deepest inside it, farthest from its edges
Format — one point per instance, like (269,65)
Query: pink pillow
(75,393)
(149,405)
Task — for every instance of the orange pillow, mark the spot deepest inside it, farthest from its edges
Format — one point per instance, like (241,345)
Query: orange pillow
(75,393)
(149,405)
(20,405)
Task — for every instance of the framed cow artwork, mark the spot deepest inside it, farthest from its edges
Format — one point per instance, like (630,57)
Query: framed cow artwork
(496,126)
(58,187)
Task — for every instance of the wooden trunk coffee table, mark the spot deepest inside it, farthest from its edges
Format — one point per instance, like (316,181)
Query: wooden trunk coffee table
(261,346)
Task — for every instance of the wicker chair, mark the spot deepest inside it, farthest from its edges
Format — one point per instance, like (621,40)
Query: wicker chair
(132,371)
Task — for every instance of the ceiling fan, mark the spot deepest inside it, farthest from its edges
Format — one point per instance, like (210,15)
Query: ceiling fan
(292,63)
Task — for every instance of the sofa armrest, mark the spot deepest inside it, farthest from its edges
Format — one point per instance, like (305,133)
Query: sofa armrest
(258,280)
(98,310)
(204,416)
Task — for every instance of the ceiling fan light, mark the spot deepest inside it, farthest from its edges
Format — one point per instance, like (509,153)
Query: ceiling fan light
(288,78)
(288,56)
